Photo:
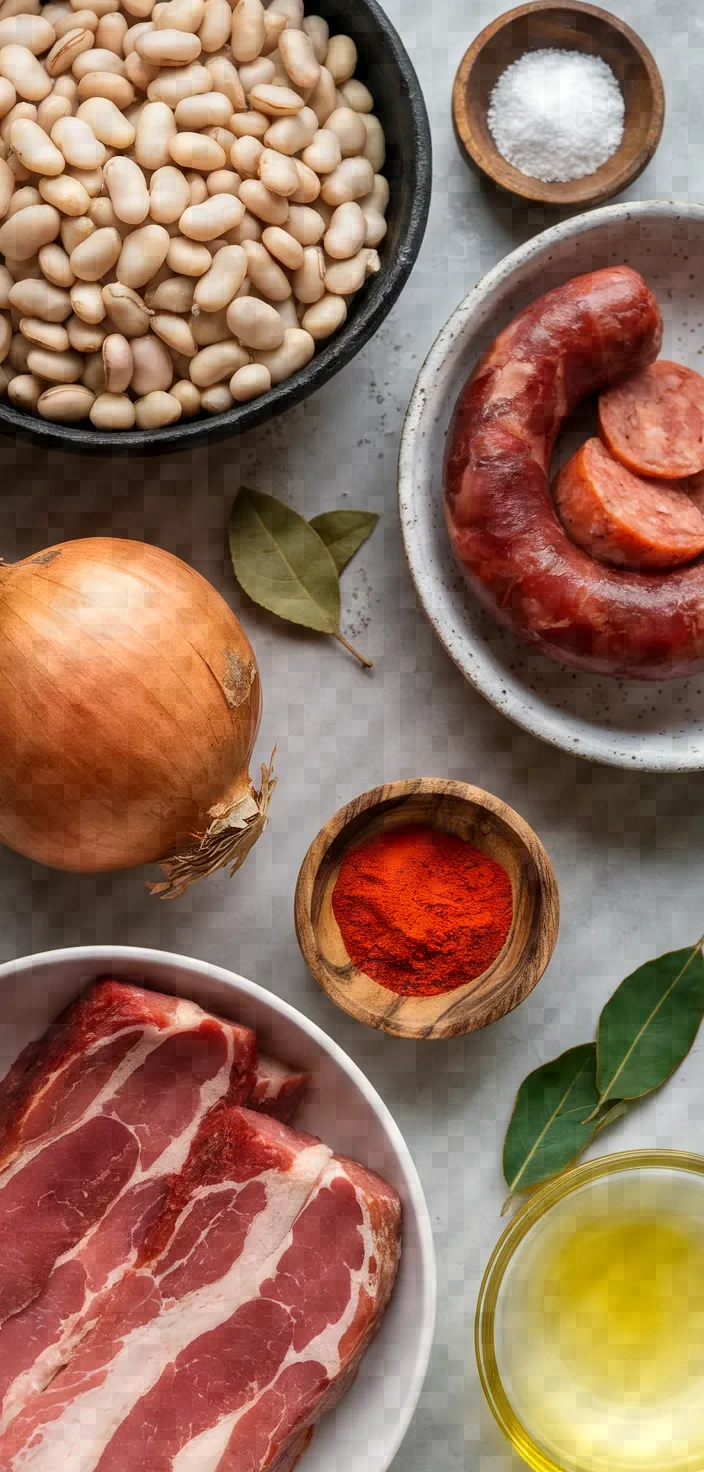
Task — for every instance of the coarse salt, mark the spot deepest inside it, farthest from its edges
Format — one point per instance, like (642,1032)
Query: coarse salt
(556,115)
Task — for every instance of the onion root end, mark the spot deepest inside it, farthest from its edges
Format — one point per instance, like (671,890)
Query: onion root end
(233,832)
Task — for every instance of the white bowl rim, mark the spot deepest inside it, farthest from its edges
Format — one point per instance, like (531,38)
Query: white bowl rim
(509,703)
(146,956)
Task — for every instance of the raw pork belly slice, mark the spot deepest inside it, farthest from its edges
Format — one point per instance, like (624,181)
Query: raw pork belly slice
(222,1225)
(278,1089)
(112,1097)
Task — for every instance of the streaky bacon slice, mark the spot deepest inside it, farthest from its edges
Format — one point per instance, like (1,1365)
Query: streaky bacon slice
(222,1226)
(95,1118)
(219,1353)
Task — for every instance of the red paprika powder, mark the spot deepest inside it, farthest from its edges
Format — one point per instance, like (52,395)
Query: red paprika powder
(421,911)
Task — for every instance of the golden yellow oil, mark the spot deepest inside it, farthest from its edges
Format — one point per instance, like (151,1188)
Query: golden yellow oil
(601,1328)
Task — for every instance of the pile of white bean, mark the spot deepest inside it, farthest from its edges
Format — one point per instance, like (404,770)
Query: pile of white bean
(190,194)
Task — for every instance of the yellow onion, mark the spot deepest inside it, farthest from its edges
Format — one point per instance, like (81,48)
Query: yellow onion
(129,706)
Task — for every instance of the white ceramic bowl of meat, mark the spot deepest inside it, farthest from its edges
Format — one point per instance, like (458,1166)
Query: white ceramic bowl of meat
(637,724)
(365,1431)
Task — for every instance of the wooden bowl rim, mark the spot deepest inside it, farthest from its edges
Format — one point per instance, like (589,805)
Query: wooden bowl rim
(387,795)
(578,191)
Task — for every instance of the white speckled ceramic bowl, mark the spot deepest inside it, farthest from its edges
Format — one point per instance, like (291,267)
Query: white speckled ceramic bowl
(658,728)
(363,1433)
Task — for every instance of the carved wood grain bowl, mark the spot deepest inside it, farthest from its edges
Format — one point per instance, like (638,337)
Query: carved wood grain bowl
(469,813)
(576,27)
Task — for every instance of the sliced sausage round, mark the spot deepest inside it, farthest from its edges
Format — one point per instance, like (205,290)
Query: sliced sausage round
(654,422)
(624,519)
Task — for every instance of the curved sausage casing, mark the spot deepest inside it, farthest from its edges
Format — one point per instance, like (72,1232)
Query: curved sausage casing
(501,519)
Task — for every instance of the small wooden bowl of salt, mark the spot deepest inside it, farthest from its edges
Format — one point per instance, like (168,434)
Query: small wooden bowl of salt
(427,908)
(571,125)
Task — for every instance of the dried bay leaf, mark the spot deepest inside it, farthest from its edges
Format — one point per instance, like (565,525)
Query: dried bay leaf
(344,532)
(283,564)
(649,1025)
(552,1118)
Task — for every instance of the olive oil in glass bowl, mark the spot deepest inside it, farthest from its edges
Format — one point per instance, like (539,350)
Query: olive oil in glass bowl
(590,1320)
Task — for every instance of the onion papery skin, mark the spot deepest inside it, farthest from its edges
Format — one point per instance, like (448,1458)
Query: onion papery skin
(129,705)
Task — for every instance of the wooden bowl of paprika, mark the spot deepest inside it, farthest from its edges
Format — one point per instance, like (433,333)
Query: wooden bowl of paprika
(427,908)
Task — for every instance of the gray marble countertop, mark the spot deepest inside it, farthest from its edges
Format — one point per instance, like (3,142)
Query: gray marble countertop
(627,849)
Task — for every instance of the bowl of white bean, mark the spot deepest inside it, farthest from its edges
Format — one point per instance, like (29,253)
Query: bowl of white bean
(206,210)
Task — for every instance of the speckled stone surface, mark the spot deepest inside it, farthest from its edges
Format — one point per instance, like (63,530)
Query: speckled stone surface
(627,847)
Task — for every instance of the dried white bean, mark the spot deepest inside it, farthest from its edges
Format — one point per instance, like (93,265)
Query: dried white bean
(245,155)
(376,227)
(85,20)
(113,411)
(250,382)
(8,97)
(348,127)
(375,147)
(105,120)
(157,409)
(20,350)
(6,284)
(126,309)
(175,294)
(169,195)
(187,257)
(85,337)
(248,30)
(22,199)
(357,96)
(278,174)
(128,191)
(56,266)
(325,317)
(284,247)
(24,391)
(208,327)
(217,362)
(67,404)
(290,135)
(274,101)
(20,110)
(195,151)
(249,229)
(318,33)
(209,109)
(216,289)
(344,277)
(309,279)
(156,127)
(198,188)
(118,363)
(215,28)
(168,48)
(254,73)
(38,298)
(139,74)
(216,400)
(32,31)
(153,368)
(22,235)
(64,367)
(299,58)
(51,109)
(188,397)
(176,333)
(106,84)
(78,143)
(67,49)
(73,231)
(346,232)
(305,224)
(175,83)
(93,376)
(224,78)
(213,218)
(223,136)
(66,194)
(259,201)
(87,302)
(249,125)
(324,153)
(223,181)
(95,256)
(141,255)
(28,76)
(90,179)
(180,15)
(297,350)
(341,58)
(111,32)
(352,180)
(264,273)
(5,335)
(255,324)
(274,24)
(324,98)
(291,9)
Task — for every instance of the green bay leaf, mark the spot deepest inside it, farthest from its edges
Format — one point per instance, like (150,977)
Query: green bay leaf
(282,564)
(649,1024)
(550,1123)
(344,532)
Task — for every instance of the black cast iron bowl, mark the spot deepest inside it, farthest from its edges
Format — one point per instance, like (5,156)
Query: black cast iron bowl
(398,102)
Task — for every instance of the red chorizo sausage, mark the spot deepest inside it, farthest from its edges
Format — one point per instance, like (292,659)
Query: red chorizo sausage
(622,518)
(501,519)
(654,423)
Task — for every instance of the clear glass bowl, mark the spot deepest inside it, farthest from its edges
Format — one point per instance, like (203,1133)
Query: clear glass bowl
(617,1433)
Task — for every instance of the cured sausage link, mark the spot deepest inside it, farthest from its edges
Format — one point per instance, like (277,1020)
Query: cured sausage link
(502,522)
